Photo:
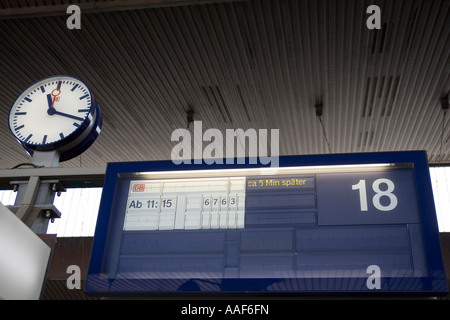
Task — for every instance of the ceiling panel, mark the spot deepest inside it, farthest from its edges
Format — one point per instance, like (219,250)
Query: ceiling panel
(239,64)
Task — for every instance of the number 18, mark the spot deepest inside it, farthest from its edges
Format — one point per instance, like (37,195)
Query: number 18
(393,201)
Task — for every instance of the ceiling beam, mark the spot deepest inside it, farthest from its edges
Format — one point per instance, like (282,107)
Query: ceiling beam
(96,7)
(69,177)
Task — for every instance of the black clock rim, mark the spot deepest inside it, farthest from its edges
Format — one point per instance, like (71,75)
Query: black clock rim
(66,140)
(87,142)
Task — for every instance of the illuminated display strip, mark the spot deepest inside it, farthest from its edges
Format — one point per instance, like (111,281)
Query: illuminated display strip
(203,203)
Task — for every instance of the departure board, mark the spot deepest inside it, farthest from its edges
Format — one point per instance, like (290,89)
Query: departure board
(215,203)
(331,224)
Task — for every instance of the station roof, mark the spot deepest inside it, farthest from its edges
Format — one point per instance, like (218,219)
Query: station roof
(238,64)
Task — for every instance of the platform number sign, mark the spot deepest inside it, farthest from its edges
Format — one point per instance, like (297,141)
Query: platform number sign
(385,196)
(358,223)
(376,200)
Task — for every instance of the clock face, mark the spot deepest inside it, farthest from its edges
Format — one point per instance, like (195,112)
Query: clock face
(51,111)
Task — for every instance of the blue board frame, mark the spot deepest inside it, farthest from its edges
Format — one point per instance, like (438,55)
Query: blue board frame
(432,284)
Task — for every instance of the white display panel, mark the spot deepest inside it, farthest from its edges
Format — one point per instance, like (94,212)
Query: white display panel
(23,259)
(174,204)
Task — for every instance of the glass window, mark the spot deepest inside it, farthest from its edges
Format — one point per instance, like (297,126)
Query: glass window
(79,209)
(440,180)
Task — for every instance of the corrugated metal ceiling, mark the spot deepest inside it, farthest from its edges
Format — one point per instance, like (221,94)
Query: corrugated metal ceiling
(240,64)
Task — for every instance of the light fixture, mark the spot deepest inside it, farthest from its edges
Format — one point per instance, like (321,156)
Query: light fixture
(265,171)
(444,103)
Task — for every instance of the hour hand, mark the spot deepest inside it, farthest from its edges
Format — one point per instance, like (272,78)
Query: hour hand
(49,100)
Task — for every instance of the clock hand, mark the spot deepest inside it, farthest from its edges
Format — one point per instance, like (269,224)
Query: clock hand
(49,100)
(51,109)
(66,115)
(55,93)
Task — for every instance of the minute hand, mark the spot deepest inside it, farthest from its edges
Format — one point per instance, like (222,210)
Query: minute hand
(68,115)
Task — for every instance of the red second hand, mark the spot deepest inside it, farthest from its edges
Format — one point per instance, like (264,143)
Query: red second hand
(55,95)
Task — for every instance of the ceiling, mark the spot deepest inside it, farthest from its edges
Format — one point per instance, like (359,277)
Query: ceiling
(238,64)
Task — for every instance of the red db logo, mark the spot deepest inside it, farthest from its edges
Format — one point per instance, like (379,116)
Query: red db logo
(138,188)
